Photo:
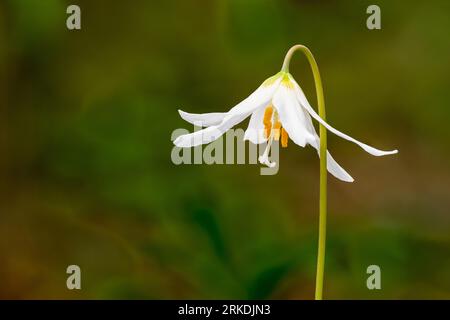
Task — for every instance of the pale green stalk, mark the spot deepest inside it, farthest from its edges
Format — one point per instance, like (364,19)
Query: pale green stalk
(323,164)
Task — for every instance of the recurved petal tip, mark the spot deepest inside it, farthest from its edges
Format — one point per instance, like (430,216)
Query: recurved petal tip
(378,153)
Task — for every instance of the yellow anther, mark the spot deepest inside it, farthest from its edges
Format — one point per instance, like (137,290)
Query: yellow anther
(277,130)
(284,138)
(268,114)
(267,121)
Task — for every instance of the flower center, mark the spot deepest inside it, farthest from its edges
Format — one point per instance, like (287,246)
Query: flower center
(273,128)
(272,131)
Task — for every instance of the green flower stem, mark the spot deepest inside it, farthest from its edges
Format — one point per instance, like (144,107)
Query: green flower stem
(323,163)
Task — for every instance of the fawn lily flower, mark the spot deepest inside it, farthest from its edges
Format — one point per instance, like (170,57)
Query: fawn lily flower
(278,109)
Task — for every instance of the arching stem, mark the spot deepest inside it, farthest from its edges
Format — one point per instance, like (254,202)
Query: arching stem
(323,164)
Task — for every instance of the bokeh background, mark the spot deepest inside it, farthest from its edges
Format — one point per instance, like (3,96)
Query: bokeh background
(86,175)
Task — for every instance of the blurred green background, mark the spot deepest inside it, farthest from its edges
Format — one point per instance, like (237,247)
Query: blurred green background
(86,176)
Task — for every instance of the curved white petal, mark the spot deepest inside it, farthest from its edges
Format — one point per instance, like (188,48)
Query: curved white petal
(336,170)
(291,115)
(203,119)
(255,129)
(332,166)
(305,104)
(259,98)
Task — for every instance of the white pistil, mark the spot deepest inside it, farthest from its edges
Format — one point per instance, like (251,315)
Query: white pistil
(264,159)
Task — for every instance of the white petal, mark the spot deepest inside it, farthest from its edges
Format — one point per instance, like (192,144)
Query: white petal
(255,129)
(336,170)
(199,137)
(291,115)
(259,98)
(305,104)
(332,166)
(203,119)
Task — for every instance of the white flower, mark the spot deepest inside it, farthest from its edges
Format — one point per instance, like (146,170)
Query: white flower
(278,108)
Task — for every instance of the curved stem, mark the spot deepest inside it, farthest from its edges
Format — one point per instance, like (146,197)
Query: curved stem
(323,163)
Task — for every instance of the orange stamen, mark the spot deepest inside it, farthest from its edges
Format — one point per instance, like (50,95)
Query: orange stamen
(277,131)
(284,138)
(267,121)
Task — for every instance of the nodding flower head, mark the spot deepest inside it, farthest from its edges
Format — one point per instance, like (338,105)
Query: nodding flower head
(278,109)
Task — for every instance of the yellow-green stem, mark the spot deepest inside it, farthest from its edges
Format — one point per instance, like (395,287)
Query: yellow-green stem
(323,164)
